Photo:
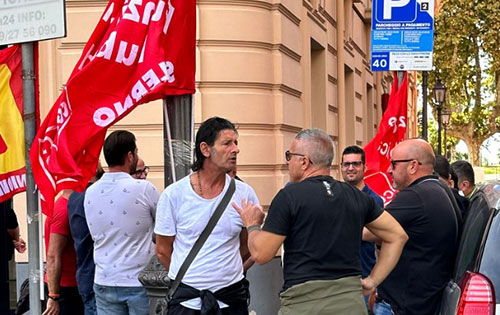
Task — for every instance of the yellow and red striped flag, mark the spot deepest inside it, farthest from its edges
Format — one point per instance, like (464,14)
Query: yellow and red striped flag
(12,153)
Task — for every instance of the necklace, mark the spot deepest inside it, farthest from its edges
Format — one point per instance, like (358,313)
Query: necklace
(199,184)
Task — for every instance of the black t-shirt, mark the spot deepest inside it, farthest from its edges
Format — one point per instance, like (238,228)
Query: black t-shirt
(322,220)
(426,213)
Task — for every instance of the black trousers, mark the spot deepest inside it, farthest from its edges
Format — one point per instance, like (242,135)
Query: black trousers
(178,309)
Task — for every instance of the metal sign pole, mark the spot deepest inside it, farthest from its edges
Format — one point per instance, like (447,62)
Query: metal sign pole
(424,105)
(31,192)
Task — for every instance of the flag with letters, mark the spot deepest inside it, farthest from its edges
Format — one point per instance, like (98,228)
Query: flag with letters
(140,50)
(12,157)
(392,130)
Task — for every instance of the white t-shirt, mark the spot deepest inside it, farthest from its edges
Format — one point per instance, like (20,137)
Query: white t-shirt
(120,213)
(184,213)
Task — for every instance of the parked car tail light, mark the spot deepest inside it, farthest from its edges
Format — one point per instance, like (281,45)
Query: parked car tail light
(478,295)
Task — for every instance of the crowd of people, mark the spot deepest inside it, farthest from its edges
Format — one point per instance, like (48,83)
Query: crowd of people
(341,246)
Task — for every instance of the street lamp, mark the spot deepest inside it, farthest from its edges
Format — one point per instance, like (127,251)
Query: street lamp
(439,92)
(445,115)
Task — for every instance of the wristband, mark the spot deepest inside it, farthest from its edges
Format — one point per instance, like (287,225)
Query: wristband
(254,227)
(54,296)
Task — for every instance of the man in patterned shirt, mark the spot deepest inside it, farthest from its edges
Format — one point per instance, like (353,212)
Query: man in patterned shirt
(120,212)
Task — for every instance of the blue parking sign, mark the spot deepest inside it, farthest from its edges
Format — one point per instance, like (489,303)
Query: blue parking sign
(395,10)
(402,35)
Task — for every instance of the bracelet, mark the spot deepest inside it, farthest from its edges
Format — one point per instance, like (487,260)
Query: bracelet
(254,227)
(54,296)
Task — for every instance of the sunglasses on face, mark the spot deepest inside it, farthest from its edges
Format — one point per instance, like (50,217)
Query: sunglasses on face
(394,162)
(144,171)
(288,156)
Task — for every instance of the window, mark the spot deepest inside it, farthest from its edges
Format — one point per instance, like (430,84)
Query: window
(472,235)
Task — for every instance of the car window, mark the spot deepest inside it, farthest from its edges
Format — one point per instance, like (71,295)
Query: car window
(490,263)
(472,234)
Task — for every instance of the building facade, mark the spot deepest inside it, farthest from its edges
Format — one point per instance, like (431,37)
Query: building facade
(273,67)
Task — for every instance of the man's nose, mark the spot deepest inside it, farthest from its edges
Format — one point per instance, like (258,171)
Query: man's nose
(235,149)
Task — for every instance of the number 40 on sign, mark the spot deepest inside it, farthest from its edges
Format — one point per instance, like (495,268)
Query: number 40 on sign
(380,62)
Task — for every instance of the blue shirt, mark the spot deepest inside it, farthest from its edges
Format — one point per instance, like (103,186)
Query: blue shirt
(367,248)
(84,245)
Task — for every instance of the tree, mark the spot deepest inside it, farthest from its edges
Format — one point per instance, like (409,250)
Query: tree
(467,60)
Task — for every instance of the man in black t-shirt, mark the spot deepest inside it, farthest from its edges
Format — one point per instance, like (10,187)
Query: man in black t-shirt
(320,220)
(426,212)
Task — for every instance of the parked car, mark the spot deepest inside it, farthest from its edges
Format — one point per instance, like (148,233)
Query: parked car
(475,287)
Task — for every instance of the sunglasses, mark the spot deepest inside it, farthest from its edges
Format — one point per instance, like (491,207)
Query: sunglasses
(394,162)
(144,171)
(288,156)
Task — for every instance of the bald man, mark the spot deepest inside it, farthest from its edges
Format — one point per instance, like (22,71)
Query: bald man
(319,221)
(426,213)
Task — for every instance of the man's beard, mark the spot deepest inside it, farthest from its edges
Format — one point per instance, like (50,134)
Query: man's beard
(133,166)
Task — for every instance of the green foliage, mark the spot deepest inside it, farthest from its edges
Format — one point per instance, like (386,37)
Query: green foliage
(492,170)
(467,60)
(432,137)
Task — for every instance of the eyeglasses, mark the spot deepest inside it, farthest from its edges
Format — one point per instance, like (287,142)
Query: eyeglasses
(288,156)
(355,164)
(394,162)
(144,171)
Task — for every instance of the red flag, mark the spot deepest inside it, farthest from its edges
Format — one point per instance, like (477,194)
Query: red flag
(392,130)
(12,158)
(140,51)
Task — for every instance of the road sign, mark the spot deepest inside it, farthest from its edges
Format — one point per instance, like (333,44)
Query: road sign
(31,20)
(402,35)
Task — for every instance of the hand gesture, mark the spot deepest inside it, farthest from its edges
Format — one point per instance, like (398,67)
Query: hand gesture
(250,214)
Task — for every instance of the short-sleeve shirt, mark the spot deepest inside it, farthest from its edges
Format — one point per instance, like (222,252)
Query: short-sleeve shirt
(426,213)
(120,213)
(368,258)
(58,223)
(184,213)
(322,220)
(84,245)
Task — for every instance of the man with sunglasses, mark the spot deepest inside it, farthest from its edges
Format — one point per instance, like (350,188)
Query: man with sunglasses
(319,220)
(141,170)
(426,212)
(353,169)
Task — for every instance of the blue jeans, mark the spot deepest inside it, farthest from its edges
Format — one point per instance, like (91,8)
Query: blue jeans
(382,308)
(89,303)
(121,300)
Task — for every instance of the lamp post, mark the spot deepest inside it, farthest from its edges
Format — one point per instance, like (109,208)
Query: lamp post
(446,115)
(439,92)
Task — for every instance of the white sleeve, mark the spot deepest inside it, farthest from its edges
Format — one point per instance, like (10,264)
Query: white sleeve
(165,222)
(251,195)
(152,196)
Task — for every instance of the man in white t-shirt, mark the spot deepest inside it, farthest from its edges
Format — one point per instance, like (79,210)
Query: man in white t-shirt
(214,281)
(120,213)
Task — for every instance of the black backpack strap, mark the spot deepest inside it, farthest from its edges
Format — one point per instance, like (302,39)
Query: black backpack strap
(202,238)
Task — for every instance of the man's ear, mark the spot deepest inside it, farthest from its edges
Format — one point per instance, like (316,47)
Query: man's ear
(412,168)
(205,149)
(130,156)
(464,185)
